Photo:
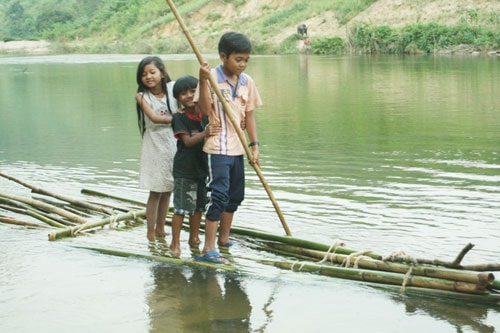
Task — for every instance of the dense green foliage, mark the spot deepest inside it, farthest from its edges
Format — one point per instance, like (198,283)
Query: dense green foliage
(105,26)
(413,38)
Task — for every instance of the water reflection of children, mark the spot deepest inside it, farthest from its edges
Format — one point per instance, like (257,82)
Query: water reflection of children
(195,301)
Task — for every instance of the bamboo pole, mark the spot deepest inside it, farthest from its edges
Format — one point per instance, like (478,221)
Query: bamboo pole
(85,214)
(76,202)
(20,208)
(45,219)
(297,241)
(379,277)
(106,204)
(13,203)
(483,279)
(9,220)
(227,110)
(11,208)
(105,195)
(52,217)
(482,267)
(46,207)
(177,261)
(72,231)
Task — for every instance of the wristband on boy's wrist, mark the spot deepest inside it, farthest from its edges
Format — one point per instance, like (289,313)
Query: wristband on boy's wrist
(253,143)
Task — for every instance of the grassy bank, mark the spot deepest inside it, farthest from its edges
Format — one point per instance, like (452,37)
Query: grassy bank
(148,26)
(411,39)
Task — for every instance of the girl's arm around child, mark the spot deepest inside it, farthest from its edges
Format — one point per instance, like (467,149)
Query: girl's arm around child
(146,108)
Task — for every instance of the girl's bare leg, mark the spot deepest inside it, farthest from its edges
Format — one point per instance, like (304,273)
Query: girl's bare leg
(152,214)
(164,202)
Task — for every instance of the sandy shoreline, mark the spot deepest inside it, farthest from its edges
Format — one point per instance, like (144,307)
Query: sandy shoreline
(25,46)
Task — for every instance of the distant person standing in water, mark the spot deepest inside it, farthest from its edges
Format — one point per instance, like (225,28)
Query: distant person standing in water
(155,108)
(307,45)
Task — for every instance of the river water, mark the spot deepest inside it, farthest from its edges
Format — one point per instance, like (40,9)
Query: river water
(384,153)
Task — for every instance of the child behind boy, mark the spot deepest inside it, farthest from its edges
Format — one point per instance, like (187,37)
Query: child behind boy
(190,171)
(225,152)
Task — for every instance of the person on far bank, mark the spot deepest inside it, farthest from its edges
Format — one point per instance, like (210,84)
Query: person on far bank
(155,107)
(190,169)
(225,151)
(307,45)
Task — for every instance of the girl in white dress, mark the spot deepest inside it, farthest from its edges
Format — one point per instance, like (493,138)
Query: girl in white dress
(155,106)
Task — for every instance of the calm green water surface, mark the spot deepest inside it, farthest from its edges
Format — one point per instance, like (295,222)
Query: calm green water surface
(384,153)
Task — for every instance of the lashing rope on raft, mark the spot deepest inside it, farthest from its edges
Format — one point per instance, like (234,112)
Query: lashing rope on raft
(112,220)
(406,279)
(357,256)
(331,250)
(402,256)
(297,262)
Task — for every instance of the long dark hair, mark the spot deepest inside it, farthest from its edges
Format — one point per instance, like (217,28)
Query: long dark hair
(141,88)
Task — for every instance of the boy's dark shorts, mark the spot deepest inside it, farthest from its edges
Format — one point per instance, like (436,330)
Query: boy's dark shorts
(190,196)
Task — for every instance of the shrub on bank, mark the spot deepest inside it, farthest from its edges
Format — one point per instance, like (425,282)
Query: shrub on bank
(328,45)
(426,38)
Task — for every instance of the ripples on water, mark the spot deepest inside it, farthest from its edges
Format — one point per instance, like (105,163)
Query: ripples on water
(352,149)
(387,203)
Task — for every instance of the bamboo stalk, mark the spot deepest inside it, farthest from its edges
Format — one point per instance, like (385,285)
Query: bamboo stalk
(105,195)
(482,267)
(177,261)
(9,220)
(12,203)
(52,217)
(106,204)
(482,279)
(295,241)
(79,212)
(47,207)
(342,250)
(45,219)
(462,254)
(76,202)
(22,208)
(12,209)
(379,277)
(72,231)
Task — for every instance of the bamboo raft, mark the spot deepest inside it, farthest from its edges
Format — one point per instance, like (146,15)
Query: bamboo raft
(65,217)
